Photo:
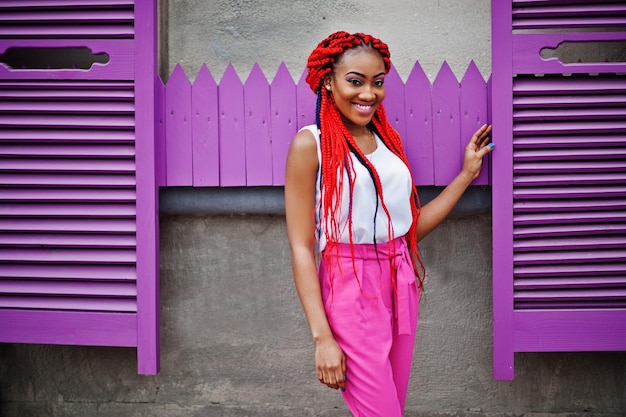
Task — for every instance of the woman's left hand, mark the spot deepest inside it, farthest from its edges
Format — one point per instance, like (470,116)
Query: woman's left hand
(478,146)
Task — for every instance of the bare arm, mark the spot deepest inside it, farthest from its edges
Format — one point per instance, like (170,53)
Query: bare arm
(300,178)
(433,213)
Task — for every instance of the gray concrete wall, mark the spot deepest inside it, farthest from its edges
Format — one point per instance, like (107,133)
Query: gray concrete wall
(242,32)
(235,341)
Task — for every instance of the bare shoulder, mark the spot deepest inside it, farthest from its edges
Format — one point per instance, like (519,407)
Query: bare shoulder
(303,149)
(304,141)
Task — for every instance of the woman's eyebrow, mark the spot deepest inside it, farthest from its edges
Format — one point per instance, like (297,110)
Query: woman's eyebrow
(363,75)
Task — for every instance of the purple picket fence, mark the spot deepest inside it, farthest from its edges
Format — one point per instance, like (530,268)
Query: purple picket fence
(229,133)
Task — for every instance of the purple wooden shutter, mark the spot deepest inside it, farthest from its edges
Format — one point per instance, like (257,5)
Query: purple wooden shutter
(559,193)
(78,247)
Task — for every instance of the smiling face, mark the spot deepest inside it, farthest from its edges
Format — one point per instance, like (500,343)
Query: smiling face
(357,86)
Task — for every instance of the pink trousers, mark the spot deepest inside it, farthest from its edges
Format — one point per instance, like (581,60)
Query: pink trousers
(372,308)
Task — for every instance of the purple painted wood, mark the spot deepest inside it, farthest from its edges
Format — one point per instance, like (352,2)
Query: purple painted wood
(61,121)
(145,66)
(89,180)
(502,203)
(68,288)
(205,130)
(62,135)
(120,66)
(112,305)
(527,52)
(67,240)
(577,330)
(160,146)
(586,242)
(448,152)
(570,271)
(114,256)
(69,15)
(67,210)
(394,103)
(576,282)
(419,126)
(284,116)
(78,272)
(69,106)
(112,31)
(473,111)
(60,4)
(178,144)
(80,223)
(567,14)
(306,101)
(63,225)
(232,144)
(413,110)
(67,195)
(568,205)
(69,165)
(81,151)
(570,217)
(257,121)
(62,327)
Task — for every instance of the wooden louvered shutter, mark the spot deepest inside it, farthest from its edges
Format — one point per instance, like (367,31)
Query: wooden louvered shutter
(559,183)
(78,208)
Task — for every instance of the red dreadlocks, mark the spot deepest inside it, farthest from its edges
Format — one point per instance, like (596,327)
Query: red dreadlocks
(336,142)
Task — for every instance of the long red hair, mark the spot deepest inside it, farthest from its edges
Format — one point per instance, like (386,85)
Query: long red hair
(337,143)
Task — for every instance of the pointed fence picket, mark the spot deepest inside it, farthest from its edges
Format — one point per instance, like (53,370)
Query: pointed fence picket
(234,134)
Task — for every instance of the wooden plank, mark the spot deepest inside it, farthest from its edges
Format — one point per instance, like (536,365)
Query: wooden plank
(232,144)
(419,126)
(160,134)
(148,306)
(63,327)
(114,305)
(29,288)
(394,103)
(78,272)
(69,225)
(178,143)
(68,255)
(473,112)
(306,102)
(205,130)
(448,152)
(502,206)
(257,126)
(284,114)
(563,331)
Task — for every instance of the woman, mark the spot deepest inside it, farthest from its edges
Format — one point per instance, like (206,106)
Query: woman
(349,194)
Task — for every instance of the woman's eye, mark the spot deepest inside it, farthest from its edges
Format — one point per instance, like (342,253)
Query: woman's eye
(354,81)
(379,83)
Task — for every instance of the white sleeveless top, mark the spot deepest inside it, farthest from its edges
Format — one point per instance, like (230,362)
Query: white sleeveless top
(396,184)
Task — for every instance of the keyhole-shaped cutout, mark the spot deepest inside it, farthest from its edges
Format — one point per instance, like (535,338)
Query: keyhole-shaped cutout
(37,58)
(587,52)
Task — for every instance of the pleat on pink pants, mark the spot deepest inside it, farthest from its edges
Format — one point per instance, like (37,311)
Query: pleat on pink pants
(372,323)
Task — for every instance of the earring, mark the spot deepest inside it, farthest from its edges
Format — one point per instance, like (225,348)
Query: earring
(328,87)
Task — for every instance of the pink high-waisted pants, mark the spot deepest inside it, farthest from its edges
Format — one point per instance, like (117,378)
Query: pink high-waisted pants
(372,323)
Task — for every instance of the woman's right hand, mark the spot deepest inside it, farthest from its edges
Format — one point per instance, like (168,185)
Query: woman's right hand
(330,363)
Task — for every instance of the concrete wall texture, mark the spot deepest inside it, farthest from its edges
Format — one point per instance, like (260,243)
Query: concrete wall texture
(234,339)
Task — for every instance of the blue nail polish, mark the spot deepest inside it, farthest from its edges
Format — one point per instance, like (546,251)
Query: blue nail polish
(343,390)
(492,145)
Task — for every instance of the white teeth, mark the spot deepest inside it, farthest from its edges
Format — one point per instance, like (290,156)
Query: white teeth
(362,107)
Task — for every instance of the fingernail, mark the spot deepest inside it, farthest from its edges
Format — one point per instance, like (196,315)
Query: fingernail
(343,390)
(345,377)
(492,145)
